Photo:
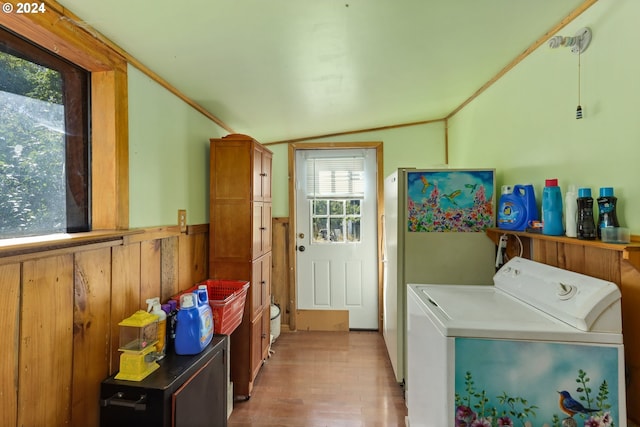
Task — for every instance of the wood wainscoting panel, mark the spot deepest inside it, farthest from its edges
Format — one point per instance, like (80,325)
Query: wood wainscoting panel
(281,270)
(169,262)
(9,322)
(631,328)
(46,340)
(193,259)
(150,273)
(91,332)
(125,293)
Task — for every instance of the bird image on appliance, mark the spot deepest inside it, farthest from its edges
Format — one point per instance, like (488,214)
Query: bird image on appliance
(433,232)
(542,347)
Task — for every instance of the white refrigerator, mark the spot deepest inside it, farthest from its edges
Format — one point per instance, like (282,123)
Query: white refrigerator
(434,222)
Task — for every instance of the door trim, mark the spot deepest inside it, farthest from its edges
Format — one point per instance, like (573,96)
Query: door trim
(293,253)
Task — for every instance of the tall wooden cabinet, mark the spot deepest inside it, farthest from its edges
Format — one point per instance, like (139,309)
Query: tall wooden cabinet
(240,244)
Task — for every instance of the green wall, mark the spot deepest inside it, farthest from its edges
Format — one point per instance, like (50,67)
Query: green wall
(168,156)
(419,146)
(525,125)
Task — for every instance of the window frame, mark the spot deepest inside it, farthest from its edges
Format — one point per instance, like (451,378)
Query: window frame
(57,30)
(75,93)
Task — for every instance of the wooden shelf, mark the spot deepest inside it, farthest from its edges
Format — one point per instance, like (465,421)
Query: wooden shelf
(630,251)
(633,246)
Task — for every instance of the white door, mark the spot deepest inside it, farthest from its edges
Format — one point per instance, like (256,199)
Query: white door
(336,233)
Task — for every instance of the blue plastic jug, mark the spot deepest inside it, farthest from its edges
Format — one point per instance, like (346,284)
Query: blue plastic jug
(552,209)
(194,323)
(517,208)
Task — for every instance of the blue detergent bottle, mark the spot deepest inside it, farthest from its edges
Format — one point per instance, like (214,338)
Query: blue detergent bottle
(517,208)
(194,323)
(552,209)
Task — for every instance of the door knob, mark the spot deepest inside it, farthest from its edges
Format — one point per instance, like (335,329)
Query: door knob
(301,248)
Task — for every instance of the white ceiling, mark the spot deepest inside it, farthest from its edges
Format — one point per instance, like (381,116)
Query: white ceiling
(288,69)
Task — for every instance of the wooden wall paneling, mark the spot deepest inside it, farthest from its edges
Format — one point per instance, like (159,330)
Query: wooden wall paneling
(571,257)
(545,251)
(280,271)
(9,322)
(630,288)
(125,293)
(169,257)
(602,263)
(46,340)
(193,259)
(91,333)
(150,272)
(199,266)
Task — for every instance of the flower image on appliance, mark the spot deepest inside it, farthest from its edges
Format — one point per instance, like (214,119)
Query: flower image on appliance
(450,200)
(557,398)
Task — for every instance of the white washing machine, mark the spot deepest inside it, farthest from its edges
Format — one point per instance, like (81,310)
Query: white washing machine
(542,347)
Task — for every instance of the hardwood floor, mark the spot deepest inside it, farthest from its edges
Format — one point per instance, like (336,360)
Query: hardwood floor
(322,379)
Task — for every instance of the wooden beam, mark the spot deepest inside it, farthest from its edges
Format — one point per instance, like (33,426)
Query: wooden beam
(352,132)
(55,31)
(573,15)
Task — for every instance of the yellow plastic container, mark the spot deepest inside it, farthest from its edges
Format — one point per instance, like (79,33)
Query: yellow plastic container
(138,338)
(138,331)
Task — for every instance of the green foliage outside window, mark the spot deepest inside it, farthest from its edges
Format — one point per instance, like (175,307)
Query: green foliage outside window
(33,181)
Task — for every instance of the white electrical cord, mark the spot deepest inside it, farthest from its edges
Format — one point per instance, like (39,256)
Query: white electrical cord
(501,253)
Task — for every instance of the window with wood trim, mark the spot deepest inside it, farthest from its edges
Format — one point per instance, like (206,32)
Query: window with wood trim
(44,141)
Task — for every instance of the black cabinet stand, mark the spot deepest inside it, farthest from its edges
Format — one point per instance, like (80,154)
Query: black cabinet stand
(186,391)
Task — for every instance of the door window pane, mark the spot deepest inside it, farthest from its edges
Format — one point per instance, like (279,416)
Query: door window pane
(320,207)
(335,221)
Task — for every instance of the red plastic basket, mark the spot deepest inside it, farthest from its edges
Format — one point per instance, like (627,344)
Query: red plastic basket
(226,298)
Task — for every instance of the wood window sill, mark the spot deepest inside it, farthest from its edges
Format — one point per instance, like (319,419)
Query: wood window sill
(28,245)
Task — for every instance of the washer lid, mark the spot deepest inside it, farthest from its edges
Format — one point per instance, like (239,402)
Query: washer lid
(482,311)
(573,298)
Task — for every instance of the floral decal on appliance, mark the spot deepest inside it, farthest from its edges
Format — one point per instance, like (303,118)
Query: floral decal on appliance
(450,200)
(535,384)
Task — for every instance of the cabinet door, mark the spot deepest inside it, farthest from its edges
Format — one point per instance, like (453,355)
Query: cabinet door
(256,288)
(258,230)
(260,285)
(266,227)
(256,346)
(266,331)
(261,229)
(202,399)
(261,174)
(265,281)
(266,176)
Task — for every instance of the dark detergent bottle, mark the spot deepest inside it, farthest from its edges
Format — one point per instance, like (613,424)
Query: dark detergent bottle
(607,209)
(585,223)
